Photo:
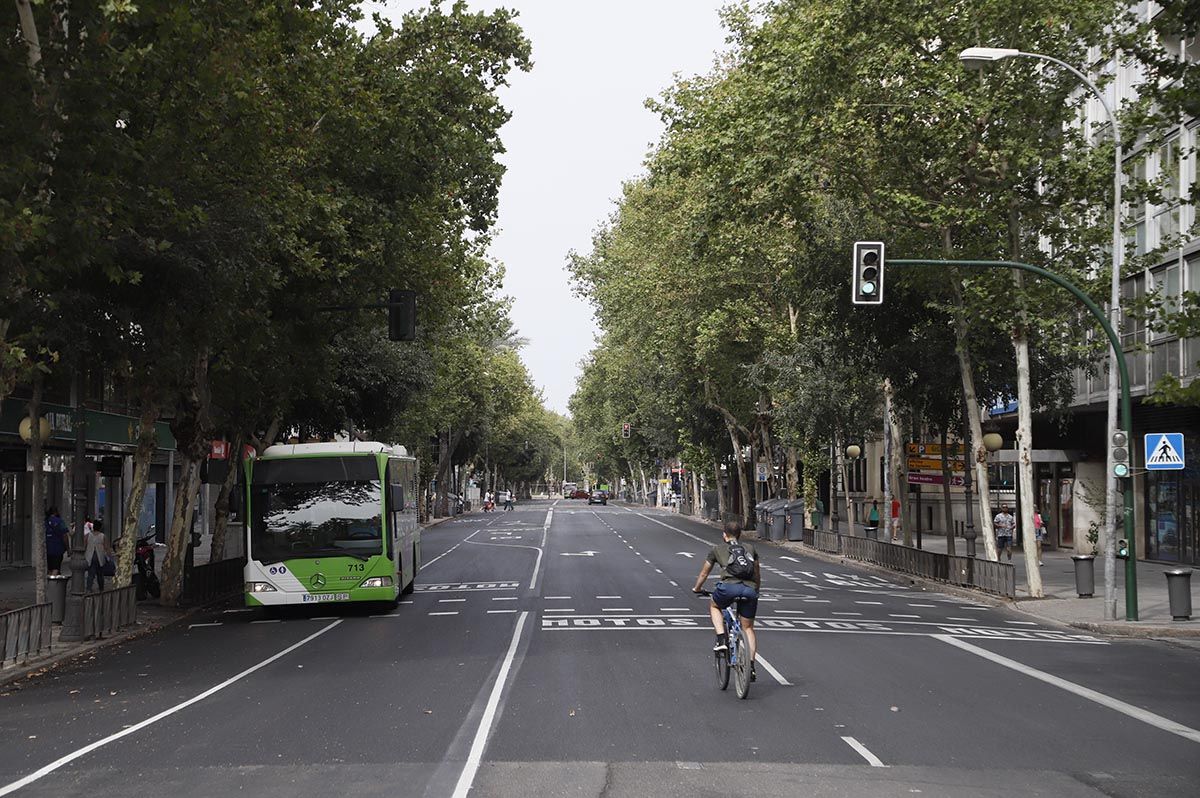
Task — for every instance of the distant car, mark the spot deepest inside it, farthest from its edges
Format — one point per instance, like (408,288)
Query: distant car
(580,494)
(597,497)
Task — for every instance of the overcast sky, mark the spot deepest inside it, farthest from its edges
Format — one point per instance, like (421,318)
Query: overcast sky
(579,128)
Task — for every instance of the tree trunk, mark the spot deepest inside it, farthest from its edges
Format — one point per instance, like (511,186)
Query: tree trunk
(1025,462)
(840,458)
(890,486)
(645,488)
(37,510)
(947,507)
(697,499)
(222,505)
(147,438)
(743,486)
(186,496)
(721,503)
(29,32)
(793,473)
(977,458)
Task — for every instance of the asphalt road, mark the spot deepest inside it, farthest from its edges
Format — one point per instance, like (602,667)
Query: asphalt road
(558,651)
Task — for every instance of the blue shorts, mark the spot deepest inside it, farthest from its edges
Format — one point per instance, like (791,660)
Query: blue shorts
(746,597)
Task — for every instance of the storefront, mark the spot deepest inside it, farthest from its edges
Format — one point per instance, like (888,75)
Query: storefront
(1172,509)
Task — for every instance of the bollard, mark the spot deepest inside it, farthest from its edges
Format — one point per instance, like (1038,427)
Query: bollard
(1179,591)
(56,591)
(1085,574)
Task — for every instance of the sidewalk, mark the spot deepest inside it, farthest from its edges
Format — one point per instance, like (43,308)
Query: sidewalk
(1062,603)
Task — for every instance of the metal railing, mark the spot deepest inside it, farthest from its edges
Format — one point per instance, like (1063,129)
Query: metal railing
(24,633)
(990,577)
(109,611)
(216,580)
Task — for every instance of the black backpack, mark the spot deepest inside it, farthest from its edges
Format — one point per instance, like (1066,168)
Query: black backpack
(741,566)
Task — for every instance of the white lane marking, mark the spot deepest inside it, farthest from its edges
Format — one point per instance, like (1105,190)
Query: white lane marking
(248,609)
(444,613)
(792,612)
(608,597)
(769,668)
(1023,623)
(817,601)
(660,597)
(1137,713)
(87,749)
(267,620)
(894,615)
(475,757)
(557,598)
(505,598)
(334,617)
(876,603)
(557,609)
(835,612)
(952,618)
(927,606)
(676,584)
(657,571)
(194,625)
(537,564)
(617,609)
(387,615)
(452,548)
(674,609)
(645,561)
(675,529)
(450,601)
(874,761)
(406,602)
(498,612)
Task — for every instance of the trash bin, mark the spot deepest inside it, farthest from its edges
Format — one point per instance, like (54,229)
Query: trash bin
(763,522)
(56,591)
(1085,574)
(795,530)
(779,519)
(1179,590)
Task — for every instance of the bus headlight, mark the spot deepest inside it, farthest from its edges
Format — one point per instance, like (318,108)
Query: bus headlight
(260,587)
(377,581)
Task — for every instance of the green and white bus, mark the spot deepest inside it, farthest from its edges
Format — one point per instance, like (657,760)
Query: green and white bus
(331,522)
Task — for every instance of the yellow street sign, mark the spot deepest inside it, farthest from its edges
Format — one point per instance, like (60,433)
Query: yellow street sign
(934,449)
(929,464)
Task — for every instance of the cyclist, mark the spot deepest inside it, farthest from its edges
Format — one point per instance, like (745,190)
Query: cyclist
(741,579)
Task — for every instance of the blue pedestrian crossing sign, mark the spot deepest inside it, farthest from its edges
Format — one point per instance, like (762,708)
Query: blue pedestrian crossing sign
(1164,451)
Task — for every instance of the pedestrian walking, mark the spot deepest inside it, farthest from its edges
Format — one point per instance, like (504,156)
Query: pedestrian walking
(58,540)
(98,556)
(873,517)
(508,500)
(1039,533)
(1005,524)
(895,519)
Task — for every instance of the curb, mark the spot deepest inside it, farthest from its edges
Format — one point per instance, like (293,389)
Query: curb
(55,659)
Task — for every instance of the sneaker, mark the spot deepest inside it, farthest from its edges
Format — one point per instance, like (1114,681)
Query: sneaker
(753,672)
(721,645)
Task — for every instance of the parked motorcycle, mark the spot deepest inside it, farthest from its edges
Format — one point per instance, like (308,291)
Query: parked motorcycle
(145,578)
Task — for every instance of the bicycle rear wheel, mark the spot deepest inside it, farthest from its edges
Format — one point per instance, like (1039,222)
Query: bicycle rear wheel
(741,671)
(721,658)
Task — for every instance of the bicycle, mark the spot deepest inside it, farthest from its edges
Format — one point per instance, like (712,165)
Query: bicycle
(736,657)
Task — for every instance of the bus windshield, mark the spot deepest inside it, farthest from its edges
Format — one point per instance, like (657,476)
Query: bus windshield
(322,519)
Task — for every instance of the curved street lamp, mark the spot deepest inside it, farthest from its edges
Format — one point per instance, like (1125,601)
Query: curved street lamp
(981,57)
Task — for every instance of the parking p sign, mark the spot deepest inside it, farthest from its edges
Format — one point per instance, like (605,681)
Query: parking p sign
(1164,451)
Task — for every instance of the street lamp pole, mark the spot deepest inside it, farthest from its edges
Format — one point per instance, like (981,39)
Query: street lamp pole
(977,58)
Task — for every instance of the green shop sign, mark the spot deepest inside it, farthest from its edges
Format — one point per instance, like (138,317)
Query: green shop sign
(112,429)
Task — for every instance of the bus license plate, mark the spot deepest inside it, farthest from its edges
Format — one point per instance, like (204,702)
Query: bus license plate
(326,596)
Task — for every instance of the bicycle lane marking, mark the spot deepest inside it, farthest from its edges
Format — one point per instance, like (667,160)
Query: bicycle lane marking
(537,565)
(1135,712)
(87,749)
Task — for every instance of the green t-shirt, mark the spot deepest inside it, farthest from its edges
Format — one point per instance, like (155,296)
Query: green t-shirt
(719,554)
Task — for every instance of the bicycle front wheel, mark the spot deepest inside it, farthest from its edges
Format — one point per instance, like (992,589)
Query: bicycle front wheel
(721,658)
(742,669)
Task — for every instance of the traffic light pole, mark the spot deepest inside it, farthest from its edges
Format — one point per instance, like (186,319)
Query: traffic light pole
(1131,602)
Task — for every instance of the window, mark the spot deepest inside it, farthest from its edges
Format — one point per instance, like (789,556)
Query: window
(1132,329)
(1166,286)
(1135,208)
(1166,218)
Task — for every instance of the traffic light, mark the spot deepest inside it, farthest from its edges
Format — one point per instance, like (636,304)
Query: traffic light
(1123,548)
(868,273)
(625,430)
(1120,454)
(402,315)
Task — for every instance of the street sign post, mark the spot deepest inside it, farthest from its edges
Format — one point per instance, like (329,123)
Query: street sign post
(761,470)
(1164,451)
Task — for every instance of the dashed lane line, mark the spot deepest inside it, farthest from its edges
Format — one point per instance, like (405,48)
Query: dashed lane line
(864,752)
(769,668)
(194,625)
(444,613)
(556,598)
(505,598)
